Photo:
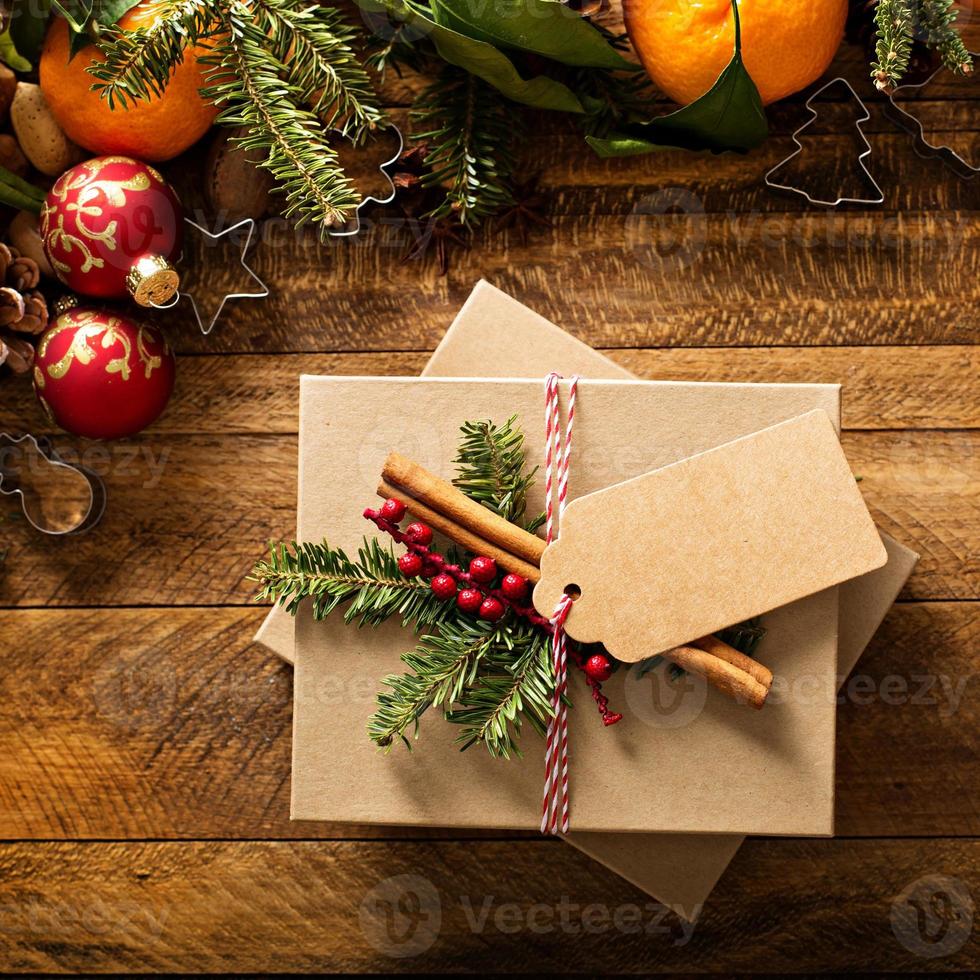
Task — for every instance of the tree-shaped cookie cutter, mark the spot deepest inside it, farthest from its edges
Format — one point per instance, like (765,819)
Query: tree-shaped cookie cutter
(913,125)
(862,156)
(89,516)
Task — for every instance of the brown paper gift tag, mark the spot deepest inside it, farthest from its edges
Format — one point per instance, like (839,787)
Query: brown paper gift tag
(720,537)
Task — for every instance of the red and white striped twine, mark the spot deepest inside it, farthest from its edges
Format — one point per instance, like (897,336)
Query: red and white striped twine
(558,452)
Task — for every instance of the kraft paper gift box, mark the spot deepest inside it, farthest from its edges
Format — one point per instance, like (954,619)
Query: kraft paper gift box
(496,335)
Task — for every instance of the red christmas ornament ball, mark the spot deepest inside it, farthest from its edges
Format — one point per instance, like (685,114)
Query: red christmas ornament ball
(420,533)
(598,668)
(514,587)
(111,227)
(469,600)
(410,564)
(491,609)
(444,586)
(392,510)
(102,375)
(483,569)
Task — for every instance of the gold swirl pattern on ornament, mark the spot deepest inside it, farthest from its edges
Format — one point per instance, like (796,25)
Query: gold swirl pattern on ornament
(89,326)
(83,179)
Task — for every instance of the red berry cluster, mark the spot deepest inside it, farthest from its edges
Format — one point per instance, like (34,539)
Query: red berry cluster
(477,595)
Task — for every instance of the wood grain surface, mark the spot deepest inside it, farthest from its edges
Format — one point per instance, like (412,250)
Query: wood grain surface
(145,741)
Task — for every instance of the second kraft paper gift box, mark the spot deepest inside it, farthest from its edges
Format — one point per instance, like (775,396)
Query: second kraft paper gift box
(496,335)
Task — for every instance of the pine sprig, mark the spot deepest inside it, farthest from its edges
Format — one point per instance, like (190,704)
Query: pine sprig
(517,684)
(491,467)
(938,18)
(317,46)
(442,666)
(471,131)
(372,586)
(286,71)
(251,87)
(139,63)
(895,22)
(489,678)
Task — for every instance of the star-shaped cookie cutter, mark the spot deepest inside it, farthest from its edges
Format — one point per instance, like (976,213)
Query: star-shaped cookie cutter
(89,516)
(913,124)
(263,290)
(260,293)
(862,156)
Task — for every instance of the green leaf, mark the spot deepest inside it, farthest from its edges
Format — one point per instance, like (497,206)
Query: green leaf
(28,22)
(76,12)
(101,13)
(9,54)
(544,27)
(480,59)
(729,116)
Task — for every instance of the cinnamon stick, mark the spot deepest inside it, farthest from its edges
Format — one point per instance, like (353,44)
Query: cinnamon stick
(441,496)
(732,680)
(719,648)
(460,535)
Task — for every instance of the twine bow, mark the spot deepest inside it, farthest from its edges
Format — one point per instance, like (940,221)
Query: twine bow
(558,451)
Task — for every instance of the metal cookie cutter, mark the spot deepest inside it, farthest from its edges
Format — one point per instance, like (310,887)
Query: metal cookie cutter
(368,199)
(260,293)
(913,124)
(862,156)
(79,509)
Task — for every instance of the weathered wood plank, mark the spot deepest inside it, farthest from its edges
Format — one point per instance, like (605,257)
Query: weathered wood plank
(234,907)
(188,515)
(884,387)
(643,279)
(165,723)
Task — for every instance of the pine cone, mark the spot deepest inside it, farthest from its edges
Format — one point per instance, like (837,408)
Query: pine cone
(35,318)
(11,306)
(22,273)
(16,353)
(6,258)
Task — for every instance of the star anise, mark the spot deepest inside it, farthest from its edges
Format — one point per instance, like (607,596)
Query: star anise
(526,211)
(443,235)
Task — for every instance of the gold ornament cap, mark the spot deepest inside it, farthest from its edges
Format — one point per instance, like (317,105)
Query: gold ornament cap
(66,302)
(152,281)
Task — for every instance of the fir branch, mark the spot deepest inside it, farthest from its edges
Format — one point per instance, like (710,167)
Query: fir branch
(139,63)
(472,136)
(745,637)
(442,665)
(317,46)
(285,71)
(516,684)
(372,587)
(490,467)
(895,23)
(938,19)
(250,84)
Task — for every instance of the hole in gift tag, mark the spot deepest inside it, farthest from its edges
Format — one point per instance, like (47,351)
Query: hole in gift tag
(572,591)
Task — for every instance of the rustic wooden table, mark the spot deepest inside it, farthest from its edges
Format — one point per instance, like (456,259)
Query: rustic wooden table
(145,744)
